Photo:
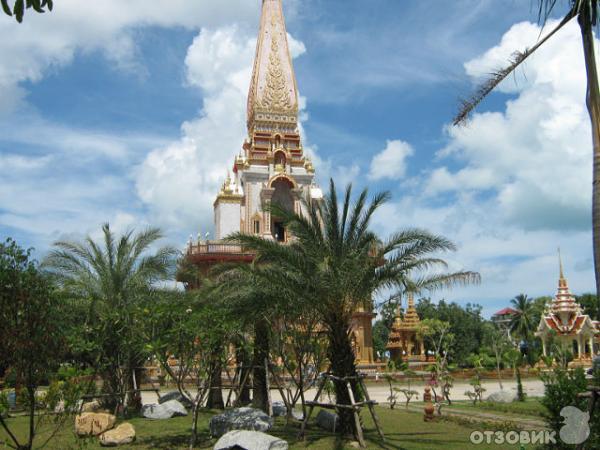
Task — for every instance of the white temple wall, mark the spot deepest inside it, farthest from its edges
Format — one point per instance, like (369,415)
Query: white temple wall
(227,216)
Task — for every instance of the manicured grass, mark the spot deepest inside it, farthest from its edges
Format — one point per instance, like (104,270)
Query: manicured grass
(403,430)
(530,407)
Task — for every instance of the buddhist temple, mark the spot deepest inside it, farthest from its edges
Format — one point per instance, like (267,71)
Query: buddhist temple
(404,341)
(564,323)
(271,166)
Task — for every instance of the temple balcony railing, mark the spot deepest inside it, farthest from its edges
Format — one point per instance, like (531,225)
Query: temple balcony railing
(216,248)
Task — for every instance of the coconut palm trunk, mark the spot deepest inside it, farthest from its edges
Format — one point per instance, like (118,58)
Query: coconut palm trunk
(593,104)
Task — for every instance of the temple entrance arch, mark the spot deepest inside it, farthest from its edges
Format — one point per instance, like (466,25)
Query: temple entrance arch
(283,197)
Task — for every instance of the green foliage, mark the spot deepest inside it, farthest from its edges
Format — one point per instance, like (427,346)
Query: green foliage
(68,372)
(524,321)
(561,389)
(465,322)
(109,283)
(19,6)
(381,333)
(31,338)
(589,303)
(31,334)
(335,264)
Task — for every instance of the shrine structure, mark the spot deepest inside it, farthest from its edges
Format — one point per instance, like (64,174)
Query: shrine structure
(271,167)
(404,342)
(564,323)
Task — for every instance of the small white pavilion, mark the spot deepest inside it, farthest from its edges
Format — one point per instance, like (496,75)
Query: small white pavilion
(565,322)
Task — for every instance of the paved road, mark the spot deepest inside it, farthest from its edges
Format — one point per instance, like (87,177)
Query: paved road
(380,391)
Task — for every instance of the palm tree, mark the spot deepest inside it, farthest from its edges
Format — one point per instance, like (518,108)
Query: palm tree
(334,264)
(586,12)
(114,277)
(523,321)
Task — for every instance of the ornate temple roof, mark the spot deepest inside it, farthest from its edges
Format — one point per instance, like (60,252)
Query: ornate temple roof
(273,96)
(564,315)
(411,318)
(401,329)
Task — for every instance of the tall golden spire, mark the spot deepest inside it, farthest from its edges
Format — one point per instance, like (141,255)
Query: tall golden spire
(273,96)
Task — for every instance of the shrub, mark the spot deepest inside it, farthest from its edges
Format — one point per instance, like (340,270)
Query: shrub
(561,389)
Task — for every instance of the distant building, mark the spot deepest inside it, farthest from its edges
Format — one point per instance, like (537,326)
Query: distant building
(503,317)
(404,341)
(564,323)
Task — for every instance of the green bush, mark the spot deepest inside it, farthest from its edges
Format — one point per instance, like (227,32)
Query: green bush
(561,389)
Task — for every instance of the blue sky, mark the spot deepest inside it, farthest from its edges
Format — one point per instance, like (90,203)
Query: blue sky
(131,113)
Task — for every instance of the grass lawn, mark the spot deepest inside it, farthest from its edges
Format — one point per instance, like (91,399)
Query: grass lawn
(531,407)
(403,430)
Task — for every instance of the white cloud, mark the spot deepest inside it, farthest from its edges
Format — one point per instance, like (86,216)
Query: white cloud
(535,156)
(44,42)
(515,184)
(391,162)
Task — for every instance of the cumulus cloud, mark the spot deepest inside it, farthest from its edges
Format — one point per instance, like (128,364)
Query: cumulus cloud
(514,184)
(47,41)
(535,156)
(391,162)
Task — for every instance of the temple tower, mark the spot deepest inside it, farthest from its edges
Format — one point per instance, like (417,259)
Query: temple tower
(271,167)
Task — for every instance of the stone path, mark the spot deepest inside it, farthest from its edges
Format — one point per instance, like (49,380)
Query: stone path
(380,391)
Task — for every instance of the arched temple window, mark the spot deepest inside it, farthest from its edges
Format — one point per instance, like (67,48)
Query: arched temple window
(282,197)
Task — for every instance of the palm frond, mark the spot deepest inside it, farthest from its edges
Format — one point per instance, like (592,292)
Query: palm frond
(496,77)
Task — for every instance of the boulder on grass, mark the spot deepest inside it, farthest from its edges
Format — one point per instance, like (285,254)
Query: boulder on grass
(501,397)
(166,410)
(240,419)
(122,435)
(175,395)
(327,420)
(93,424)
(280,410)
(249,440)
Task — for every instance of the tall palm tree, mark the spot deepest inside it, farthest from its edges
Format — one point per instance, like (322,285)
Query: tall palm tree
(335,263)
(586,12)
(523,321)
(113,276)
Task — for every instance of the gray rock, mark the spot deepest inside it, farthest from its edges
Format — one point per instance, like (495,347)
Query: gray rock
(175,395)
(327,420)
(240,419)
(501,397)
(249,440)
(279,409)
(166,410)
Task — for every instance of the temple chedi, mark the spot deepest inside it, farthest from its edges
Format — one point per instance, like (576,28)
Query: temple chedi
(271,166)
(564,323)
(404,341)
